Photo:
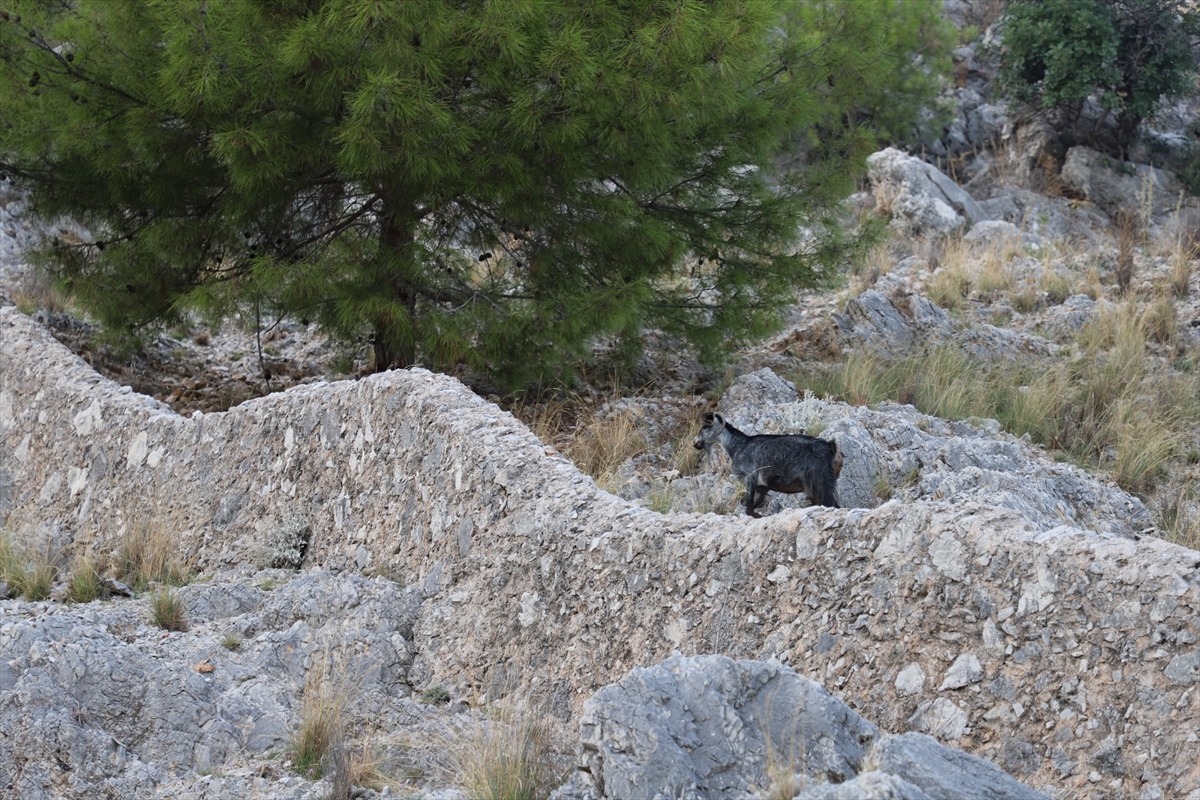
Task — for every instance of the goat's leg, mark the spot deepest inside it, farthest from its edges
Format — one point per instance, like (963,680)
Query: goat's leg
(821,487)
(756,493)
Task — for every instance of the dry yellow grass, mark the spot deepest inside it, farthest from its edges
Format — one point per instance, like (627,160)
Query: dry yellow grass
(1106,406)
(329,692)
(510,756)
(149,552)
(604,443)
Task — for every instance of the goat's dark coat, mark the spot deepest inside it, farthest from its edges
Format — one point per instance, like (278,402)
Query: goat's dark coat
(781,463)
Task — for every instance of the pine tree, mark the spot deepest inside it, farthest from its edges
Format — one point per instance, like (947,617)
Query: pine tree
(490,183)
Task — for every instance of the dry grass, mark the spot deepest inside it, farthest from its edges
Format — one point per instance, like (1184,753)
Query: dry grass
(604,443)
(149,552)
(168,611)
(29,569)
(980,267)
(1057,285)
(367,767)
(1127,229)
(866,272)
(507,757)
(1143,445)
(36,294)
(319,744)
(1026,300)
(1180,281)
(1178,516)
(1106,406)
(599,442)
(1160,320)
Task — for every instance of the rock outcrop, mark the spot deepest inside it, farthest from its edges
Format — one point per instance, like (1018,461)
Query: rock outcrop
(1064,655)
(1116,185)
(918,457)
(917,195)
(712,728)
(97,702)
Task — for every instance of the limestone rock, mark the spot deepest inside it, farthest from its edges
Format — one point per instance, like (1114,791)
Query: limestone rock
(712,727)
(91,704)
(919,197)
(1113,185)
(943,773)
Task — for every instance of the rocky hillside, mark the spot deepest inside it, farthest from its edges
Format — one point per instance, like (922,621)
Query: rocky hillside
(1007,605)
(1059,653)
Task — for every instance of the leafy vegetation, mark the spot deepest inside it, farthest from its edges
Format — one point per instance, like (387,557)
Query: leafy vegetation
(1129,53)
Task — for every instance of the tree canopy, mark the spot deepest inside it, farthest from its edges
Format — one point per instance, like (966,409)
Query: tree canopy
(1128,53)
(490,183)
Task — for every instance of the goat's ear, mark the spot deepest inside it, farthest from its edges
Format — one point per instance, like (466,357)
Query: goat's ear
(708,418)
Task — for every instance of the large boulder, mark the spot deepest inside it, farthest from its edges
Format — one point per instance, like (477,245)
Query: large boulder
(1118,185)
(900,320)
(917,195)
(702,727)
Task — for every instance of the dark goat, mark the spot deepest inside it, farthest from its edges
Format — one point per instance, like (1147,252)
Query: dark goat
(788,464)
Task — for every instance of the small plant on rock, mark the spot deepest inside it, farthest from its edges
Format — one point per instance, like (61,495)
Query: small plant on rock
(435,695)
(231,641)
(283,542)
(168,610)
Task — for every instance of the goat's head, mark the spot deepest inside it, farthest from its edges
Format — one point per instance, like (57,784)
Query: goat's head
(710,431)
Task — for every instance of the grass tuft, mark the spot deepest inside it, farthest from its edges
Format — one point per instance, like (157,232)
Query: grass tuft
(85,583)
(149,553)
(508,757)
(29,571)
(319,744)
(1127,228)
(168,610)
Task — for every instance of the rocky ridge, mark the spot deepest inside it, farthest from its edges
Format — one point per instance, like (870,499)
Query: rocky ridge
(1068,657)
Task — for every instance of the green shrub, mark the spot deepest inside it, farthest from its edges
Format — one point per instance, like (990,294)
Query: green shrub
(1129,53)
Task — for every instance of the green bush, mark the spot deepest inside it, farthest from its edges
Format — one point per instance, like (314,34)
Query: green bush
(1129,53)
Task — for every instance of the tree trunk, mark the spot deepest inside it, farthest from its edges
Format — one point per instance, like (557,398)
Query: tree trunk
(397,227)
(1127,129)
